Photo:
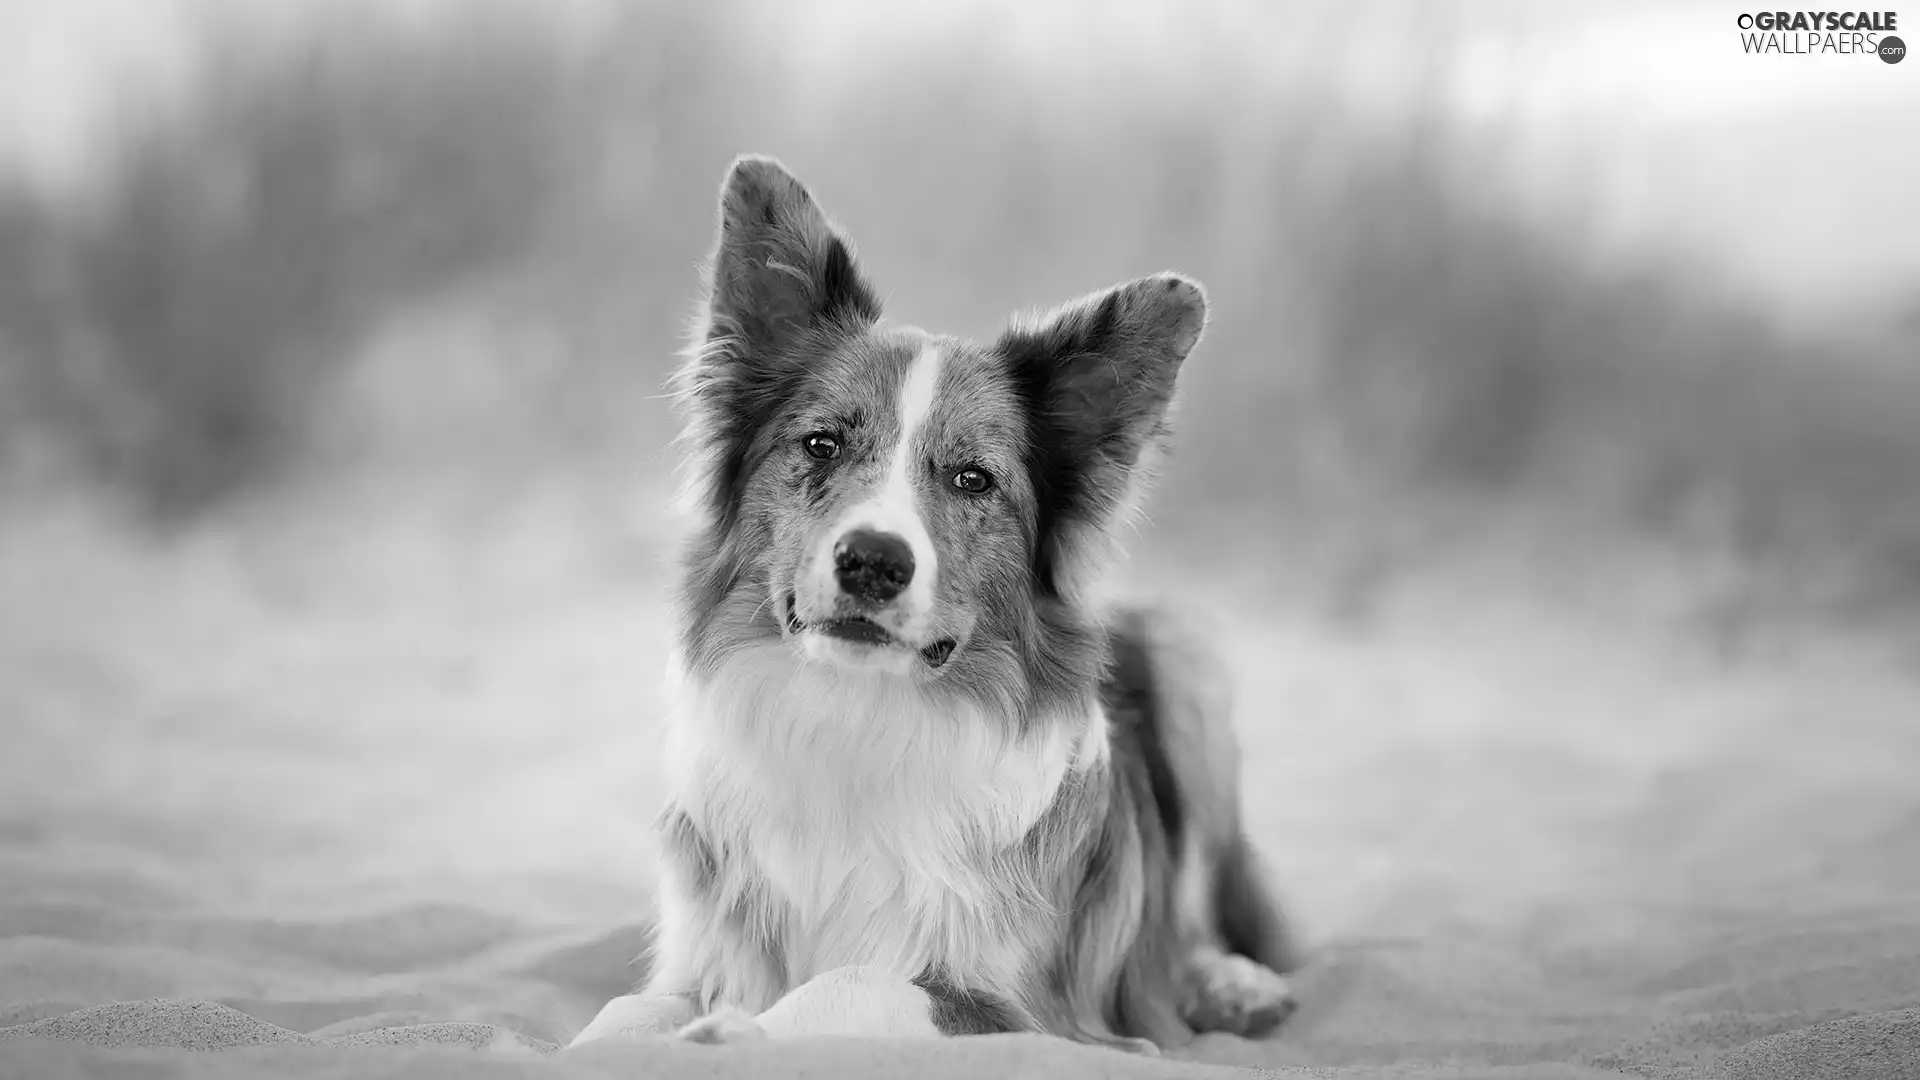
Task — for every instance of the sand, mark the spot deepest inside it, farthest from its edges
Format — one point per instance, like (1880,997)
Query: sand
(320,799)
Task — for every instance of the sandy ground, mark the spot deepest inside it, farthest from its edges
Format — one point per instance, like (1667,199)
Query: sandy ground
(351,794)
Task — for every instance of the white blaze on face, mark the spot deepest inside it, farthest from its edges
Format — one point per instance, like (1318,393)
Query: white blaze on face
(893,505)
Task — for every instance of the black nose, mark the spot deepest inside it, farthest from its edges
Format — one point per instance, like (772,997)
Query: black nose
(872,566)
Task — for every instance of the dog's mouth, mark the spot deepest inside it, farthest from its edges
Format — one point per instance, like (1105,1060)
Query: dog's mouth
(863,631)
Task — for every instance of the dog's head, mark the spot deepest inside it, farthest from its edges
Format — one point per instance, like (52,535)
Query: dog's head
(883,499)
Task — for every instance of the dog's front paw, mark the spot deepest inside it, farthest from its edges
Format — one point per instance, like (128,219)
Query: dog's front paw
(1234,994)
(723,1025)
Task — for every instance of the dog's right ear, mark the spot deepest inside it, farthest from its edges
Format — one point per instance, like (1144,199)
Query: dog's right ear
(783,285)
(780,272)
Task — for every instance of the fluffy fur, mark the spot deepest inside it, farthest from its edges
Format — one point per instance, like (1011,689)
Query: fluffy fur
(924,780)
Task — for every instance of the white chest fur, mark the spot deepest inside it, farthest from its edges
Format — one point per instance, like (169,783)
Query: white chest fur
(859,823)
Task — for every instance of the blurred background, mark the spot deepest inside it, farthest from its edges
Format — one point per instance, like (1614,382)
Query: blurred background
(1554,449)
(1486,273)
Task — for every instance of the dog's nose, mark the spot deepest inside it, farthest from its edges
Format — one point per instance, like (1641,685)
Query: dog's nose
(872,566)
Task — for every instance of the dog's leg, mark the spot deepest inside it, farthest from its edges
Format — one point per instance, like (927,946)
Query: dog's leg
(1232,933)
(871,1001)
(639,1016)
(1230,993)
(862,1000)
(1234,940)
(703,950)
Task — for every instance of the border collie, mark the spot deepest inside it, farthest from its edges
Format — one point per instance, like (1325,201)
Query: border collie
(924,781)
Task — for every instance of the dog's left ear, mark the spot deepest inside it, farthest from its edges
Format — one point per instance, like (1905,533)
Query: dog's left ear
(1098,376)
(783,283)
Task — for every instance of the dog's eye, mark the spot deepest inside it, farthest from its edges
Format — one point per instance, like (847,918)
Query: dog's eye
(822,446)
(973,481)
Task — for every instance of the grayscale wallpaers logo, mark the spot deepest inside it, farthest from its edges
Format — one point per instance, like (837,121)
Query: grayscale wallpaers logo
(1823,33)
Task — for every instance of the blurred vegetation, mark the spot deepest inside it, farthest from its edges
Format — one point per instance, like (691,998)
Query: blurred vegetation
(174,331)
(1398,365)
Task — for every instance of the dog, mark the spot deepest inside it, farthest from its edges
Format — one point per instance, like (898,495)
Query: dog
(927,780)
